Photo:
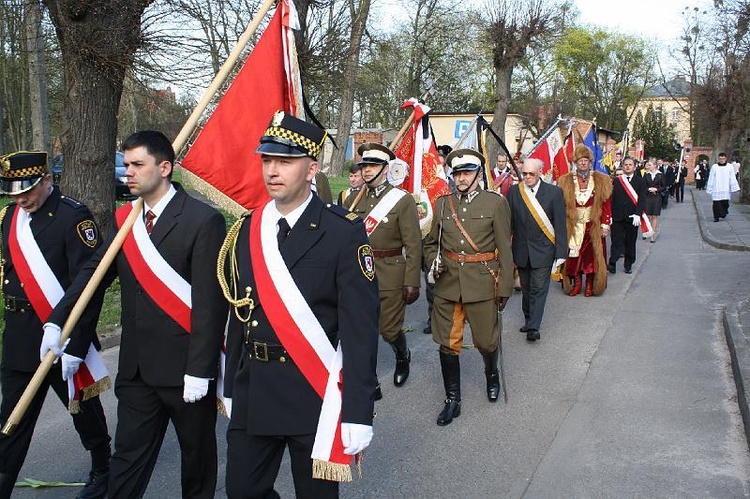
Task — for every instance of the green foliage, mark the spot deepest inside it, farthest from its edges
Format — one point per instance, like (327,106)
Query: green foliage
(656,132)
(603,73)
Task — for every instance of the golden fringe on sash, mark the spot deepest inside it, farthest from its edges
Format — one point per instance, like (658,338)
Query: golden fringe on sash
(326,470)
(221,407)
(99,387)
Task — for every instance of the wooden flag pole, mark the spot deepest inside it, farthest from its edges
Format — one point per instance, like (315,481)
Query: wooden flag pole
(220,77)
(75,315)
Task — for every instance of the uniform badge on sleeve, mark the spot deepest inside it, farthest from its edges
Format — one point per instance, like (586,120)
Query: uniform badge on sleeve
(88,233)
(366,261)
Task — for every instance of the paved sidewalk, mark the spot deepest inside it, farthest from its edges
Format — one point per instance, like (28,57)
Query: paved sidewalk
(732,233)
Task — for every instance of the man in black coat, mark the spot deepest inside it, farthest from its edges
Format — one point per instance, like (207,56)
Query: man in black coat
(540,240)
(303,333)
(627,208)
(66,236)
(670,175)
(173,319)
(679,191)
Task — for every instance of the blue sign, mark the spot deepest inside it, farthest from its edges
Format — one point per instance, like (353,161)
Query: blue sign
(461,127)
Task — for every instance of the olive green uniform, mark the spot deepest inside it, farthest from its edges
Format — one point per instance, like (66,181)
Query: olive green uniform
(398,229)
(467,290)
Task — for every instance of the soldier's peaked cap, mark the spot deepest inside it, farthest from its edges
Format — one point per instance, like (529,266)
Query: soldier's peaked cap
(464,160)
(291,137)
(373,153)
(21,171)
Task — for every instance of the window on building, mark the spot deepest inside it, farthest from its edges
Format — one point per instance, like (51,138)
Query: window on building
(675,115)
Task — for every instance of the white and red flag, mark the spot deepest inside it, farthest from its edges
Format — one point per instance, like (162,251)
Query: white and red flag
(424,180)
(551,152)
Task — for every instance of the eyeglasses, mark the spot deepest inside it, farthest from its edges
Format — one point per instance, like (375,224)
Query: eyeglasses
(528,174)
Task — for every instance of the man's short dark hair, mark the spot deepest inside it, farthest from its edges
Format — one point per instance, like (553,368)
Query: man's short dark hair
(156,143)
(723,154)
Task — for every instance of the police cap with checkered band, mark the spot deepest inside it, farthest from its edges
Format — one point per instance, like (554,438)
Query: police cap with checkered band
(21,171)
(291,137)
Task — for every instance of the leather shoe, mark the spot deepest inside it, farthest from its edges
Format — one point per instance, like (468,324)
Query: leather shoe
(628,270)
(523,329)
(612,268)
(451,409)
(378,392)
(428,329)
(533,335)
(96,487)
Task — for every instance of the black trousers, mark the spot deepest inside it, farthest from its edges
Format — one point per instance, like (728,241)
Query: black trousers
(721,208)
(143,413)
(253,463)
(624,236)
(534,287)
(679,192)
(90,422)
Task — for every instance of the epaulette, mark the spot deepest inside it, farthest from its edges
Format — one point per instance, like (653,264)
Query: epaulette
(343,213)
(72,202)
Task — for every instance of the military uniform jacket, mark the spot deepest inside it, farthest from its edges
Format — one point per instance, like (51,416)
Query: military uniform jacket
(62,228)
(188,234)
(531,247)
(399,228)
(486,218)
(622,205)
(324,255)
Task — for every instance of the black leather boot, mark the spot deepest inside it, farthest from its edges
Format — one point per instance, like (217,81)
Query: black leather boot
(451,369)
(7,482)
(98,482)
(493,377)
(403,358)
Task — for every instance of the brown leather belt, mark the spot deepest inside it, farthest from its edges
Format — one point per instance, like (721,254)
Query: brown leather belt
(385,253)
(470,258)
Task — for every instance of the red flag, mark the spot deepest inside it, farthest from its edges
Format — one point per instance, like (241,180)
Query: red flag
(420,153)
(224,152)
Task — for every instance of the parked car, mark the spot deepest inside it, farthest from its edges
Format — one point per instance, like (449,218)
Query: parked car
(121,186)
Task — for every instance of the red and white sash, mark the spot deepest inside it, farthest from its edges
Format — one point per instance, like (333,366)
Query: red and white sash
(44,292)
(303,337)
(382,208)
(161,282)
(646,227)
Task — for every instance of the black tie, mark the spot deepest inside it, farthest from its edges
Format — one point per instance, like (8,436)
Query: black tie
(629,179)
(283,230)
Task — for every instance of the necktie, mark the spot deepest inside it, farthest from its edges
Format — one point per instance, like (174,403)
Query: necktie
(630,179)
(150,216)
(284,230)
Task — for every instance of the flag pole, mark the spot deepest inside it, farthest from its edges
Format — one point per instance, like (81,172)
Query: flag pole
(545,135)
(220,77)
(78,309)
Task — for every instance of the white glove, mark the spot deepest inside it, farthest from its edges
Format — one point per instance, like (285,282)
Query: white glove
(355,437)
(70,365)
(195,388)
(51,341)
(558,262)
(636,220)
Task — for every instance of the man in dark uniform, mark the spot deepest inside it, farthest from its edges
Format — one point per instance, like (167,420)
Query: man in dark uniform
(540,240)
(173,318)
(302,343)
(392,224)
(627,208)
(469,253)
(66,236)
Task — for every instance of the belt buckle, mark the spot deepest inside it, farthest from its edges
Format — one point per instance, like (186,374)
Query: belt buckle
(462,258)
(10,303)
(264,351)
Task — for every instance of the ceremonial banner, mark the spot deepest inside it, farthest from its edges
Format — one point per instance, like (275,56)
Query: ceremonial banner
(418,150)
(223,154)
(551,152)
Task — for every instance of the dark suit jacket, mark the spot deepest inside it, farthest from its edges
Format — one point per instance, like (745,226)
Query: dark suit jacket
(322,253)
(59,227)
(188,234)
(531,248)
(622,205)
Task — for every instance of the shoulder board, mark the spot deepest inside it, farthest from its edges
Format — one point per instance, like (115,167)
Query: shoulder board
(495,193)
(342,212)
(72,202)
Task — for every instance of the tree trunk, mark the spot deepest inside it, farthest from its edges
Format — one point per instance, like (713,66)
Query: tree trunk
(37,77)
(359,22)
(502,100)
(97,41)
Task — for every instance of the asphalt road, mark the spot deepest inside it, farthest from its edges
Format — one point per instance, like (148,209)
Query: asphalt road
(627,395)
